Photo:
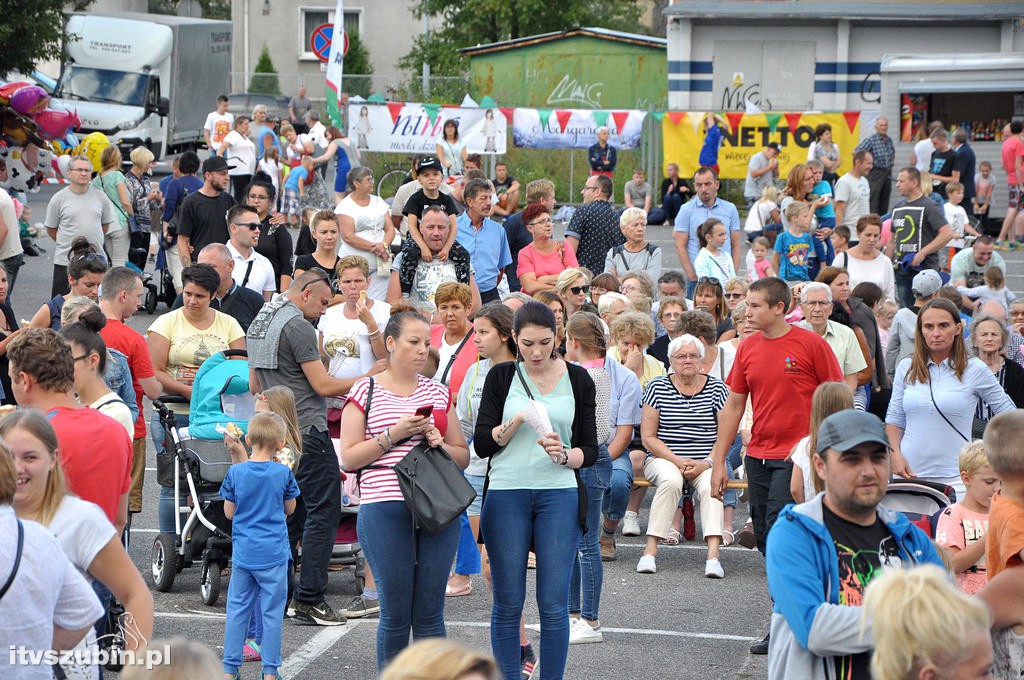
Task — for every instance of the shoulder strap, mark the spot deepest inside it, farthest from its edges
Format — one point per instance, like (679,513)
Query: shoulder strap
(932,395)
(113,400)
(455,355)
(248,271)
(17,560)
(846,259)
(522,381)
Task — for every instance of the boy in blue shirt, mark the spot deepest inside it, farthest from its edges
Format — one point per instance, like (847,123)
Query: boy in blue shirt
(793,245)
(294,189)
(826,216)
(258,494)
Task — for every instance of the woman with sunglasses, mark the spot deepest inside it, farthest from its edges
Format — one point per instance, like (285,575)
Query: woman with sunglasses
(709,297)
(89,352)
(274,243)
(367,229)
(541,262)
(572,286)
(735,292)
(86,268)
(534,496)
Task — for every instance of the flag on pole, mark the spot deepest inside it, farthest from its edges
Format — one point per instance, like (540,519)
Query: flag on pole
(335,67)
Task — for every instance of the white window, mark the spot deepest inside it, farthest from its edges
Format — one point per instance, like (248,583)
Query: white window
(311,17)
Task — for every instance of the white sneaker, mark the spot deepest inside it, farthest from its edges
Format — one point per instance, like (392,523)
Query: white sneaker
(713,569)
(581,632)
(646,565)
(631,524)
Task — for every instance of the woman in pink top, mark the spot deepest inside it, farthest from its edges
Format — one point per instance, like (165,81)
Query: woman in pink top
(542,261)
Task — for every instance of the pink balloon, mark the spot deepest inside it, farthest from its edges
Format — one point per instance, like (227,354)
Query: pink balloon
(886,231)
(54,124)
(29,100)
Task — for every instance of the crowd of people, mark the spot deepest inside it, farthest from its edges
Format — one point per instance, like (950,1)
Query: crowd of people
(566,376)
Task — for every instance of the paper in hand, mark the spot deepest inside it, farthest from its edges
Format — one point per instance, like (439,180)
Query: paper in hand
(536,416)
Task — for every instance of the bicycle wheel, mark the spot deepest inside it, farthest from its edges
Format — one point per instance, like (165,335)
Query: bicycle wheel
(388,185)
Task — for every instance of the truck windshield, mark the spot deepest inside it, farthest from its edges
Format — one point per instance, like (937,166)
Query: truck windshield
(101,85)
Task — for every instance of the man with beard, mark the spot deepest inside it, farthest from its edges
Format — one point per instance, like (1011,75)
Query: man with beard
(821,558)
(202,218)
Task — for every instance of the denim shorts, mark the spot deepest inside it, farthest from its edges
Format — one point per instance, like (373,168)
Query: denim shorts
(477,482)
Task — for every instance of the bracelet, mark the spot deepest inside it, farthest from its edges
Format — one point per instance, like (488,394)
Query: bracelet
(387,434)
(565,458)
(382,449)
(374,334)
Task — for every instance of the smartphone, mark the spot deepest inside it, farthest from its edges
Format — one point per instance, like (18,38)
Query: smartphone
(425,411)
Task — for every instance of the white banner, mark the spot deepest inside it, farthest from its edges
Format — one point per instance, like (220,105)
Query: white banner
(574,128)
(398,127)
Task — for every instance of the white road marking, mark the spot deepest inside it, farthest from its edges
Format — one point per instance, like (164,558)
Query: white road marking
(626,631)
(302,657)
(192,613)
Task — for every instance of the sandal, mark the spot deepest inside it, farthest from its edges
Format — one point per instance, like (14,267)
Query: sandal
(460,591)
(672,538)
(251,651)
(728,538)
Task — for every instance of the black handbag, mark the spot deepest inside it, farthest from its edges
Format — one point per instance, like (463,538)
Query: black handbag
(434,487)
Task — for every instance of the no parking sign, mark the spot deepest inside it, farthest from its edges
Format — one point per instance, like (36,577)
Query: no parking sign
(320,42)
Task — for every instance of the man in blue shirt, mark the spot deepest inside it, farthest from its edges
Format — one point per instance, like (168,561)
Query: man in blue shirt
(694,214)
(484,238)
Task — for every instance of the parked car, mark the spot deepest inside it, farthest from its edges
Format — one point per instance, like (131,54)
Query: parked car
(242,103)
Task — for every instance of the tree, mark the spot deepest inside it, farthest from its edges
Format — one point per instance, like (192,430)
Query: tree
(30,31)
(264,76)
(358,69)
(474,22)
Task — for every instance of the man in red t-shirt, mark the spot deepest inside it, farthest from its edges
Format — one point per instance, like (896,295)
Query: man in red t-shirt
(121,297)
(1012,153)
(779,368)
(95,451)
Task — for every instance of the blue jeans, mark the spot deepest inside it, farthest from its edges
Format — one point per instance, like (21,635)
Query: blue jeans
(733,459)
(410,568)
(904,289)
(468,558)
(616,493)
(587,569)
(513,522)
(317,513)
(268,588)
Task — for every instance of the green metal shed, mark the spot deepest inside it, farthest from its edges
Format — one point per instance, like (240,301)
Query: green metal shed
(582,68)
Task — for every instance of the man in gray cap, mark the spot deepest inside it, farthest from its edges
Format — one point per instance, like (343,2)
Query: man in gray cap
(823,553)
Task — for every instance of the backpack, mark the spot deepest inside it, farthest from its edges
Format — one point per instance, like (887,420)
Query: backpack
(618,251)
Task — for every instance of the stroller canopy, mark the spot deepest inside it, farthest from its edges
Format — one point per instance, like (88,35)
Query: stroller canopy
(220,395)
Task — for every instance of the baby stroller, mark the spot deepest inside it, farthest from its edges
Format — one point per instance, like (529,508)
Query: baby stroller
(198,460)
(920,501)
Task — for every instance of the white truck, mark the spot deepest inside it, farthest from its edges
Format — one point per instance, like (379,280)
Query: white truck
(146,79)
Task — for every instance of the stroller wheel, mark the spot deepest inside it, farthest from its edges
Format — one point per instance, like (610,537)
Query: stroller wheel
(151,298)
(209,582)
(165,562)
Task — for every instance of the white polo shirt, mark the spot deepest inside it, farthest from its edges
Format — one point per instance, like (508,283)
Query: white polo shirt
(259,277)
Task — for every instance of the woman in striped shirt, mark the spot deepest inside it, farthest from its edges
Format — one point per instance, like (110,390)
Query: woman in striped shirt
(379,426)
(679,428)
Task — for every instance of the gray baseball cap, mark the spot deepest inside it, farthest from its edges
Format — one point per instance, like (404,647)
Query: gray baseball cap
(847,429)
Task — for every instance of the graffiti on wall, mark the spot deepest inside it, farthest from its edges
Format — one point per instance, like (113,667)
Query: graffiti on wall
(736,96)
(573,91)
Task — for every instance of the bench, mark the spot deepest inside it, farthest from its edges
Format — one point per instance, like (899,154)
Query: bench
(639,482)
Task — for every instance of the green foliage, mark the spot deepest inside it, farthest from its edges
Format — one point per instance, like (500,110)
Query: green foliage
(357,62)
(264,76)
(475,22)
(30,31)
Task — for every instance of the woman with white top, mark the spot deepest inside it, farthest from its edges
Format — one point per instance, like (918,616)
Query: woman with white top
(367,229)
(89,540)
(935,394)
(241,154)
(865,261)
(451,150)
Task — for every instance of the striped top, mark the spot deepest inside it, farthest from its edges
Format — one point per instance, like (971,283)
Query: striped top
(687,425)
(603,394)
(386,408)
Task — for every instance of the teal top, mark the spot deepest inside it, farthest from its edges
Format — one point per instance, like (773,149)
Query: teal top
(523,464)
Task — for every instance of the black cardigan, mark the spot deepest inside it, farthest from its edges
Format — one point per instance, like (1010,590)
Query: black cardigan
(584,423)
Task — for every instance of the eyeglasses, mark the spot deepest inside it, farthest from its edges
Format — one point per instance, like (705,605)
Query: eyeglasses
(589,188)
(321,276)
(576,290)
(546,220)
(91,257)
(80,170)
(735,296)
(84,356)
(686,357)
(252,225)
(709,279)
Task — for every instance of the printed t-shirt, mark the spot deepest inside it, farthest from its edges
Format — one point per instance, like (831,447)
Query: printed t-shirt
(96,454)
(793,254)
(958,528)
(780,375)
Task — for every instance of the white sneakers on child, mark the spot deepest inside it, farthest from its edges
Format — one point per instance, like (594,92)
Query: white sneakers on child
(713,569)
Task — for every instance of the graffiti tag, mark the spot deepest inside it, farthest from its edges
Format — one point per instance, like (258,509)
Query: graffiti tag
(572,91)
(735,98)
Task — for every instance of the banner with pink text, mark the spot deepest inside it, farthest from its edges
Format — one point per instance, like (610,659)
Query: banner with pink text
(574,128)
(403,127)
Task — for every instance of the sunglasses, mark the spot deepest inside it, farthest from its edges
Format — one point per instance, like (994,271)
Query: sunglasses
(433,208)
(576,290)
(252,225)
(321,276)
(735,296)
(91,257)
(709,279)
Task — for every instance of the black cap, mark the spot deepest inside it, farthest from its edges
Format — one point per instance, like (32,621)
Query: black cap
(848,429)
(773,145)
(216,164)
(429,162)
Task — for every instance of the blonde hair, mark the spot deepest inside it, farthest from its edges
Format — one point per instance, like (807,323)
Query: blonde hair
(972,457)
(266,431)
(828,398)
(141,157)
(110,158)
(586,328)
(919,619)
(73,308)
(796,208)
(352,262)
(631,214)
(1003,435)
(633,325)
(438,659)
(186,660)
(281,400)
(450,291)
(36,424)
(567,277)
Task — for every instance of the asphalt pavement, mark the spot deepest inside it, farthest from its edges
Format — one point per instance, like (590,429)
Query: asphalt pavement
(673,624)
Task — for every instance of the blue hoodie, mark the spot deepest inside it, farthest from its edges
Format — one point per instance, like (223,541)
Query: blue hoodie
(809,626)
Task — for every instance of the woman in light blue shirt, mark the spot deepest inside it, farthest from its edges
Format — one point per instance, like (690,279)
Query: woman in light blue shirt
(537,424)
(935,393)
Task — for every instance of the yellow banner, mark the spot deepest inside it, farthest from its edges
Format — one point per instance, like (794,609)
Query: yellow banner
(683,136)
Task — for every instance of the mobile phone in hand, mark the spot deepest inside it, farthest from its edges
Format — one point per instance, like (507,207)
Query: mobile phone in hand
(425,411)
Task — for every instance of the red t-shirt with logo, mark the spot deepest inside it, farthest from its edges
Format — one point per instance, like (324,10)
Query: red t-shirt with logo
(780,375)
(96,455)
(131,343)
(1012,149)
